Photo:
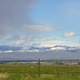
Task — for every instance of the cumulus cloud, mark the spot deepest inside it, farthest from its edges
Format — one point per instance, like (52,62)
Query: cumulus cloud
(70,34)
(18,40)
(54,42)
(23,41)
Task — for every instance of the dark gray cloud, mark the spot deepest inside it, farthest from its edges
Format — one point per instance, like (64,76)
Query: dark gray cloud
(13,14)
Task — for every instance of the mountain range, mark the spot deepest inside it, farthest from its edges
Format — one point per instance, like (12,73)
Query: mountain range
(6,48)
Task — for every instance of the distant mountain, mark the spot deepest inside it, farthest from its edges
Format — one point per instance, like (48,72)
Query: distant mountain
(56,47)
(39,48)
(67,48)
(7,48)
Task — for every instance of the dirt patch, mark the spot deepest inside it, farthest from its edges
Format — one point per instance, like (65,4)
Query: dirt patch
(4,75)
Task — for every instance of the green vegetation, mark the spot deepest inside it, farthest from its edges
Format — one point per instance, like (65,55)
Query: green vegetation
(32,72)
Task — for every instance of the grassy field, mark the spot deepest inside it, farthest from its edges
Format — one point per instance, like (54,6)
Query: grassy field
(32,72)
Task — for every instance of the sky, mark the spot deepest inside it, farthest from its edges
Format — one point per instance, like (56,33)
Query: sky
(39,22)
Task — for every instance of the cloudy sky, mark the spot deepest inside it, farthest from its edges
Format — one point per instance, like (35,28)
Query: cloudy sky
(40,22)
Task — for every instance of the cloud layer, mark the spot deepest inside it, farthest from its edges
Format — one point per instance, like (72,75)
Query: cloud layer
(15,19)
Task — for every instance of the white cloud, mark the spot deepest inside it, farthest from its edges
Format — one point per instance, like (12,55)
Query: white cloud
(53,42)
(29,40)
(23,41)
(39,28)
(70,34)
